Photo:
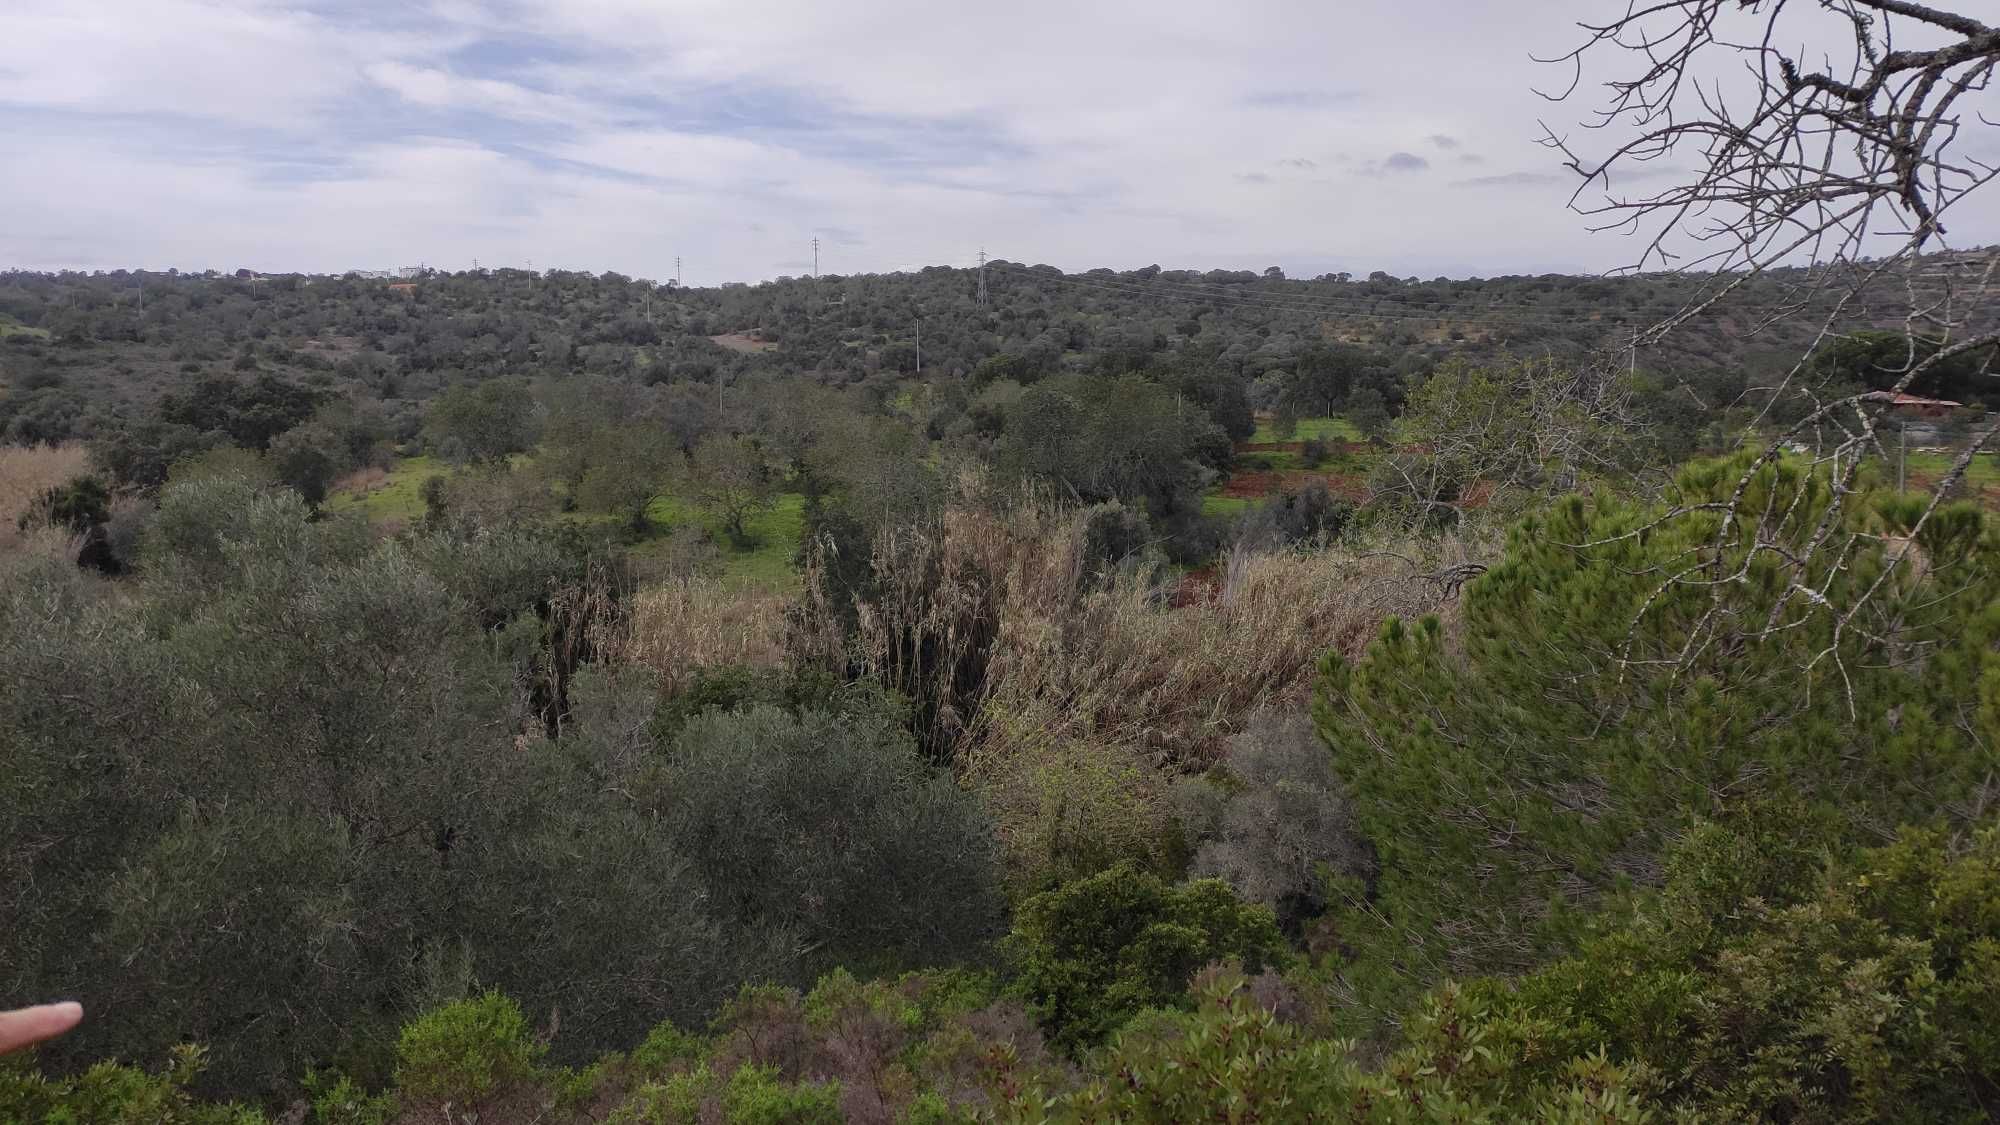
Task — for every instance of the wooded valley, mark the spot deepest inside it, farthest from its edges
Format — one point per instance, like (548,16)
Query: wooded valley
(1011,695)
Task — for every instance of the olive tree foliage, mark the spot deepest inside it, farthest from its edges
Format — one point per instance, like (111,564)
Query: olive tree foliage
(240,796)
(832,830)
(285,789)
(729,477)
(482,424)
(1850,162)
(1274,821)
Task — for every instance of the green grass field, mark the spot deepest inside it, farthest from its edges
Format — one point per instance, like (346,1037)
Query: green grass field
(1215,504)
(399,498)
(1982,473)
(1328,429)
(775,532)
(9,328)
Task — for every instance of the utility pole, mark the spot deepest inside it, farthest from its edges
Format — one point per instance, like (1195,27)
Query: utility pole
(815,259)
(920,345)
(1903,461)
(982,276)
(677,271)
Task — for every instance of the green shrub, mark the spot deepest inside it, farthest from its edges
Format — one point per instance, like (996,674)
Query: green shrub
(1095,952)
(337,1099)
(1513,775)
(1761,985)
(1272,820)
(1233,1059)
(466,1051)
(78,505)
(754,1096)
(109,1094)
(832,829)
(666,1049)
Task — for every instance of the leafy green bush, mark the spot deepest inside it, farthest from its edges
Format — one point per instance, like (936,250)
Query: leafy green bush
(467,1051)
(337,1099)
(1761,985)
(109,1094)
(76,506)
(1234,1059)
(755,1096)
(830,829)
(1094,953)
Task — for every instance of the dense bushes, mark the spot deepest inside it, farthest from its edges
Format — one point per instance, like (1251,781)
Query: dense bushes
(1767,984)
(276,794)
(418,827)
(1272,821)
(1096,952)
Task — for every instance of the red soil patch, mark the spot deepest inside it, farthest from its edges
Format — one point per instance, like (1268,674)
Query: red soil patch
(1256,486)
(1196,587)
(1335,448)
(742,342)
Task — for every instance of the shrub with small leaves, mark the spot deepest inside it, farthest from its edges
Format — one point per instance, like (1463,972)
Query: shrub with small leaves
(1096,952)
(109,1094)
(466,1051)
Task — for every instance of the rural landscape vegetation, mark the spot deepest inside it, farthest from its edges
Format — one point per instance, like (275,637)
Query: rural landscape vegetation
(1010,694)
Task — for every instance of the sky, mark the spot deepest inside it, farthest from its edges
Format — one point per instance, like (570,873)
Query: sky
(314,135)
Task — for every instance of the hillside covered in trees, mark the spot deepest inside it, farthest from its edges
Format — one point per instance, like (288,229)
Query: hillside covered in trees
(565,698)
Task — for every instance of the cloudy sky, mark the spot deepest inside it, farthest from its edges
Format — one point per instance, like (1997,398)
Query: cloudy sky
(618,134)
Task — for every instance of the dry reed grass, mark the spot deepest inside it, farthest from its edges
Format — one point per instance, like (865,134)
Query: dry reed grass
(690,623)
(27,471)
(1070,695)
(1072,656)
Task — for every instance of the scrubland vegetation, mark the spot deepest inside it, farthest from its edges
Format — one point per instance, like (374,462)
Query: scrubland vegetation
(562,698)
(1114,739)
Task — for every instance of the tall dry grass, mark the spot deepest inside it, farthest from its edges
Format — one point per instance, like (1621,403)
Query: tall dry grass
(26,472)
(690,623)
(1001,621)
(1071,694)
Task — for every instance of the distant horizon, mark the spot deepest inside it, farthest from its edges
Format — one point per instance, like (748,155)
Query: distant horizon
(385,272)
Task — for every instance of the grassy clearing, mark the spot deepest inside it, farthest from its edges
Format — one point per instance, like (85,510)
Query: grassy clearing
(397,495)
(393,495)
(9,328)
(1984,471)
(1215,504)
(775,534)
(1326,429)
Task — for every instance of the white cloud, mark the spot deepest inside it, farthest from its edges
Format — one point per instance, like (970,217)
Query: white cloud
(619,133)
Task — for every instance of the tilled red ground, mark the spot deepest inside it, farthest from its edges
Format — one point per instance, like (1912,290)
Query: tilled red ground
(1257,485)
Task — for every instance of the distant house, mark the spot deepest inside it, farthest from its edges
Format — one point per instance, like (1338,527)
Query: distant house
(403,286)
